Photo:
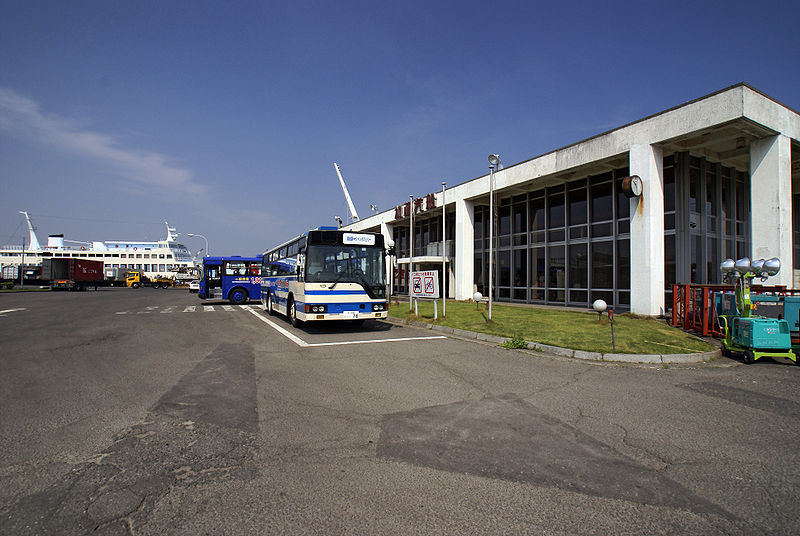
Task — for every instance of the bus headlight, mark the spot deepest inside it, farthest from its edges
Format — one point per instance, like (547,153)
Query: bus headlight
(378,306)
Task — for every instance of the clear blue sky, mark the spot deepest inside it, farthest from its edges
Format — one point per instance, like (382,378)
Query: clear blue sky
(224,118)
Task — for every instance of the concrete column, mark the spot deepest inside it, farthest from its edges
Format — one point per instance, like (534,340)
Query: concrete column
(464,249)
(771,204)
(647,232)
(387,230)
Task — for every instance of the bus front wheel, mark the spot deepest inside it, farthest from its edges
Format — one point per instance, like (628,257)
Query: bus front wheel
(293,314)
(269,305)
(238,296)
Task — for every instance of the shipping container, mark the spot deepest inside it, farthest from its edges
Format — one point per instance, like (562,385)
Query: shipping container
(72,274)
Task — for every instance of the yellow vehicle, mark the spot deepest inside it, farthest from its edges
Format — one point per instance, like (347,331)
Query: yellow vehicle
(136,279)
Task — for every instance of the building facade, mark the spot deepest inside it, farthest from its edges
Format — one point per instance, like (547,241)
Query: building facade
(720,179)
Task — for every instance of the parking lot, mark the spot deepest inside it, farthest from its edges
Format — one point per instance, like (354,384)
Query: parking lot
(153,412)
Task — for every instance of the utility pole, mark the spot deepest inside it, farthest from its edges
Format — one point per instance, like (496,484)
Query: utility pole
(22,266)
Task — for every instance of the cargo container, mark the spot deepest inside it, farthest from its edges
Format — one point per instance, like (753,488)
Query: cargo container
(72,274)
(115,277)
(11,272)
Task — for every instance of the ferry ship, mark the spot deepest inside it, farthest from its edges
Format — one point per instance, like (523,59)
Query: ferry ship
(165,258)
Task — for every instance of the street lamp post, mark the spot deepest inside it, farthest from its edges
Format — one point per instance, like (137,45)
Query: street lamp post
(208,253)
(410,248)
(494,161)
(444,266)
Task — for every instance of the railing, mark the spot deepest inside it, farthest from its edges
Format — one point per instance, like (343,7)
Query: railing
(694,306)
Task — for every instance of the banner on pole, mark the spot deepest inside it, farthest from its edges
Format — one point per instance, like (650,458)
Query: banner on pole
(425,284)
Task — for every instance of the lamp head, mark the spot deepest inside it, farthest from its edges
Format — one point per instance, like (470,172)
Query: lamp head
(772,266)
(494,159)
(599,306)
(742,265)
(727,266)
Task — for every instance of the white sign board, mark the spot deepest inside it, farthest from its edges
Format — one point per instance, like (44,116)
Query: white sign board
(358,239)
(425,284)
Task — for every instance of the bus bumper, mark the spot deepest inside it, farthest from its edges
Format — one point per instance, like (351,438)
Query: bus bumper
(344,315)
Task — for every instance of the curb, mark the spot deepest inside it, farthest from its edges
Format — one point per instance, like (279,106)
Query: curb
(699,357)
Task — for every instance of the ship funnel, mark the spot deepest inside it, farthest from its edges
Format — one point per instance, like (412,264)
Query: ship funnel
(33,242)
(55,241)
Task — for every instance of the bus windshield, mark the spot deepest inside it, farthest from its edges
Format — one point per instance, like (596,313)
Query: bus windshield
(349,264)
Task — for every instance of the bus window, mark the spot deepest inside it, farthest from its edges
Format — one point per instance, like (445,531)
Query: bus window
(235,268)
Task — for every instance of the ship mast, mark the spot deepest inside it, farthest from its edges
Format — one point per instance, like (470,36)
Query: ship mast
(353,213)
(33,242)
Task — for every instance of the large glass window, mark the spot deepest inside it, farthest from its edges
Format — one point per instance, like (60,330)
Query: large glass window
(796,227)
(563,246)
(555,214)
(520,265)
(537,217)
(603,264)
(556,279)
(601,194)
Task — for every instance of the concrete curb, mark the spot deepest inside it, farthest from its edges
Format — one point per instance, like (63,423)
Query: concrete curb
(699,357)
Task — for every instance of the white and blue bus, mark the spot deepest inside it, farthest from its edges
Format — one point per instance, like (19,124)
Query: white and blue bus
(326,274)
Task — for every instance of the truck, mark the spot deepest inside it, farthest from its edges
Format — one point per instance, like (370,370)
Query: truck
(116,277)
(72,274)
(137,279)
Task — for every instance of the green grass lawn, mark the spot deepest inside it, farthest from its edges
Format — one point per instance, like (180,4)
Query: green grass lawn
(567,329)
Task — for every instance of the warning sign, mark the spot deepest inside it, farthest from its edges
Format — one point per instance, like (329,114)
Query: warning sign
(425,284)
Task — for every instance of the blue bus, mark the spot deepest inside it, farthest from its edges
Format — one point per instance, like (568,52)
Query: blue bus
(237,279)
(326,274)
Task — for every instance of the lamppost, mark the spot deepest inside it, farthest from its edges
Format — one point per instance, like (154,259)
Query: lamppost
(494,161)
(208,253)
(410,249)
(444,266)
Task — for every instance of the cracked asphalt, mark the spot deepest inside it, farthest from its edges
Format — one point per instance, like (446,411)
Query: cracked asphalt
(123,413)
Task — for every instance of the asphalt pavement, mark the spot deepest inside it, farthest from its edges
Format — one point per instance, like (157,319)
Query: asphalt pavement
(150,411)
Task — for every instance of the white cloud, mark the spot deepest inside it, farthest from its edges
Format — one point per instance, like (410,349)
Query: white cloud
(22,117)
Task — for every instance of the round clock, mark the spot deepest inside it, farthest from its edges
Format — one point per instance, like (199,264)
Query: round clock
(632,186)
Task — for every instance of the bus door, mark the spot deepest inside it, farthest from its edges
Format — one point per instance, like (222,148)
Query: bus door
(212,279)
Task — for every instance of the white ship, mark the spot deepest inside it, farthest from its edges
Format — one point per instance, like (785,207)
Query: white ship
(166,258)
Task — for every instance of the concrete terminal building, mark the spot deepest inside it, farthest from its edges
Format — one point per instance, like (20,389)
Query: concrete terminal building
(720,179)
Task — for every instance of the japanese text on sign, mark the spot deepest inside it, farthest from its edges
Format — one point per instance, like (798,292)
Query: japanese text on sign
(425,284)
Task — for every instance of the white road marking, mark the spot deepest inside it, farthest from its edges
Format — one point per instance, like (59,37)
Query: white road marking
(208,308)
(300,342)
(168,309)
(227,308)
(3,313)
(190,309)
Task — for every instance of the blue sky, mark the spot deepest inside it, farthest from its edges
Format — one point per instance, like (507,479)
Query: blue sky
(225,118)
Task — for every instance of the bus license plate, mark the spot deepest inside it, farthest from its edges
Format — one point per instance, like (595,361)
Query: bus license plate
(350,314)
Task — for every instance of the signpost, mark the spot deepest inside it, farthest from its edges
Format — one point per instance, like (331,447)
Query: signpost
(425,285)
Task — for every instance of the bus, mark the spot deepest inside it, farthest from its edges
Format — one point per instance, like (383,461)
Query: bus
(237,279)
(326,274)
